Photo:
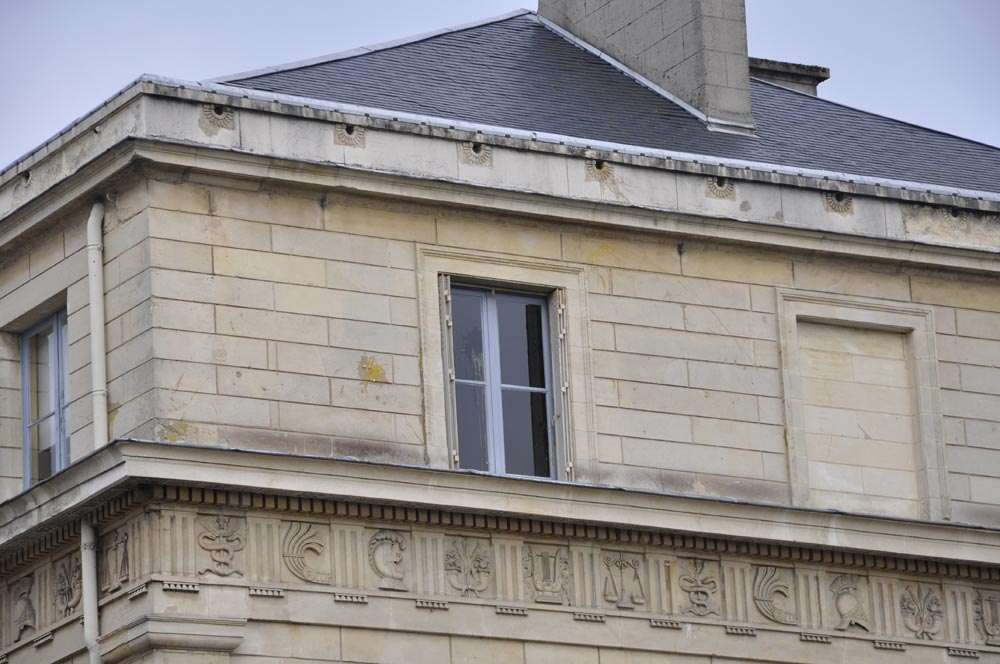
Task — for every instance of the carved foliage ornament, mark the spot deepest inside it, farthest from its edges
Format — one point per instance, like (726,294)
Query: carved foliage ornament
(923,612)
(301,539)
(850,607)
(68,586)
(385,555)
(701,587)
(24,607)
(222,537)
(768,584)
(623,585)
(546,573)
(468,566)
(115,563)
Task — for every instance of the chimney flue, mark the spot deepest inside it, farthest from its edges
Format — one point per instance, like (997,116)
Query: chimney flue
(694,49)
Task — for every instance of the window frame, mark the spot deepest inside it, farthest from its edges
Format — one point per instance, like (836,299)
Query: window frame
(59,380)
(496,443)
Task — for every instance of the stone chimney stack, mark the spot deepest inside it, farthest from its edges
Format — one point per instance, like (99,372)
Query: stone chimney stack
(694,49)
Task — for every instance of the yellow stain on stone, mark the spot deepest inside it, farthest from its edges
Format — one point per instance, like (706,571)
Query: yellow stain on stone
(370,371)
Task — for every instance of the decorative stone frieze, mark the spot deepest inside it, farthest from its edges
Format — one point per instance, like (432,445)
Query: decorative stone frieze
(769,586)
(222,537)
(468,565)
(922,609)
(700,583)
(386,551)
(847,591)
(68,589)
(548,576)
(299,542)
(624,586)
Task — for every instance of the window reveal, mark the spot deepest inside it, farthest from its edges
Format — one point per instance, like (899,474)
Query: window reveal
(44,403)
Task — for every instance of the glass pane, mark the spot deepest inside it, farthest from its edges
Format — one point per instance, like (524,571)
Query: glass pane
(522,356)
(40,350)
(467,331)
(42,449)
(470,407)
(525,433)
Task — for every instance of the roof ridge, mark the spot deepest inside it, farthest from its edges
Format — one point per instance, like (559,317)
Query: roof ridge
(620,66)
(362,50)
(872,113)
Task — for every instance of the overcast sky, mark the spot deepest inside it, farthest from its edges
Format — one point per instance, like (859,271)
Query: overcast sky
(930,62)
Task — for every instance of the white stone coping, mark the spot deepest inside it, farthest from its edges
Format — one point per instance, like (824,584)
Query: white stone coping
(127,462)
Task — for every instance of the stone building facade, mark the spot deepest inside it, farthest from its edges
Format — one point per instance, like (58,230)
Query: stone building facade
(772,423)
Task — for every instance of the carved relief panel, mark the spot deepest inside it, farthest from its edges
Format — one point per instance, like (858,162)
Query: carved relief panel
(548,575)
(221,540)
(851,603)
(68,587)
(987,607)
(774,594)
(699,584)
(922,610)
(114,563)
(304,551)
(24,616)
(468,566)
(388,559)
(624,583)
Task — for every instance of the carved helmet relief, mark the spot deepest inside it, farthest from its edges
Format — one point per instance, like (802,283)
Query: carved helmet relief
(385,555)
(24,606)
(847,594)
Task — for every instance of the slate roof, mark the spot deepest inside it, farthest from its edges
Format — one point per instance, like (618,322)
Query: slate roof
(519,73)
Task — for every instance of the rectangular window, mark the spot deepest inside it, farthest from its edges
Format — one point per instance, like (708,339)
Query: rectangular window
(44,380)
(502,381)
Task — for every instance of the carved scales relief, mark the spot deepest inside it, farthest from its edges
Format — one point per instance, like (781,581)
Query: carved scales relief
(846,589)
(468,566)
(385,555)
(623,584)
(68,586)
(923,611)
(115,562)
(547,575)
(24,607)
(301,539)
(701,585)
(222,537)
(769,584)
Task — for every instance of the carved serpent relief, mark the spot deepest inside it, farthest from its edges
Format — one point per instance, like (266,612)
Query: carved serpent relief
(222,537)
(301,539)
(923,612)
(468,566)
(68,586)
(385,555)
(701,586)
(845,589)
(547,574)
(769,583)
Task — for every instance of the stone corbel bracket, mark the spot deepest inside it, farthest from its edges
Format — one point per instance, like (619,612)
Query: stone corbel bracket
(173,632)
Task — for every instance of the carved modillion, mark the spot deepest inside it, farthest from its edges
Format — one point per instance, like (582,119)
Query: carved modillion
(850,607)
(769,583)
(623,584)
(701,587)
(24,607)
(222,537)
(68,585)
(300,540)
(923,611)
(468,566)
(385,555)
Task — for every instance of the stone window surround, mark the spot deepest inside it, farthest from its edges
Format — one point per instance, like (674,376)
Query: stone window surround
(917,324)
(579,446)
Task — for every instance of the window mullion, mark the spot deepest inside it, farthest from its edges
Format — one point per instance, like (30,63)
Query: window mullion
(495,396)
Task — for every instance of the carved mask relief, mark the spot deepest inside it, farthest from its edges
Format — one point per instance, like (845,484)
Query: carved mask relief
(302,547)
(547,575)
(24,606)
(222,537)
(850,598)
(386,551)
(468,565)
(623,585)
(68,585)
(699,580)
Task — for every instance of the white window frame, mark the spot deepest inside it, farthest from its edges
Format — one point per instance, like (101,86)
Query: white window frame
(569,347)
(496,444)
(59,380)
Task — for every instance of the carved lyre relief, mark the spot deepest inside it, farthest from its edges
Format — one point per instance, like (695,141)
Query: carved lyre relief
(115,563)
(24,607)
(222,537)
(701,586)
(988,616)
(300,540)
(468,566)
(847,595)
(68,585)
(768,584)
(623,584)
(546,573)
(385,555)
(923,612)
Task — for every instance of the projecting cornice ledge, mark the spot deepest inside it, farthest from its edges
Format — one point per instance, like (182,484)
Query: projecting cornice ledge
(115,473)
